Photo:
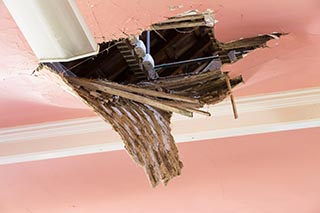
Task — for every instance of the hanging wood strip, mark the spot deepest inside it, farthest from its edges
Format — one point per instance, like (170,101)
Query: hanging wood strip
(141,115)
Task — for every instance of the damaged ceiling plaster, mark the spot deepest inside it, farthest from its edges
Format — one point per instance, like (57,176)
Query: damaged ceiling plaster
(136,83)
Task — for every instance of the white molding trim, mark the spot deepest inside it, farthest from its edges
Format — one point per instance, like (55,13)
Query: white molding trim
(258,114)
(90,149)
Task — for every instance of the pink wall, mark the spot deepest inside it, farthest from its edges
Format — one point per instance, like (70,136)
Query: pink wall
(275,172)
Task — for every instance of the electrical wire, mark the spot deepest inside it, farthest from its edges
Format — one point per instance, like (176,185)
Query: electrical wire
(102,51)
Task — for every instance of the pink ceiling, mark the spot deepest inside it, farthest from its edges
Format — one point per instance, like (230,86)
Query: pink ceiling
(275,172)
(290,63)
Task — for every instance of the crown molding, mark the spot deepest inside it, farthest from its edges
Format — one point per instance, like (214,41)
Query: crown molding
(287,110)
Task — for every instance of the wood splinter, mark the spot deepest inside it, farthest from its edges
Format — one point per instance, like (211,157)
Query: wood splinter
(234,107)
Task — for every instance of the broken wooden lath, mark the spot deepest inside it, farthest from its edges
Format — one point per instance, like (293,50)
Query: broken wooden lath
(187,20)
(141,113)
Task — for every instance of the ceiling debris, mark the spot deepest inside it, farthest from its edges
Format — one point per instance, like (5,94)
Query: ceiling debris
(136,83)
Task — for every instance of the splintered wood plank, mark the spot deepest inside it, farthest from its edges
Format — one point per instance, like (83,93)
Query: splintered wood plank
(192,109)
(178,25)
(130,96)
(186,20)
(147,92)
(187,79)
(182,18)
(253,42)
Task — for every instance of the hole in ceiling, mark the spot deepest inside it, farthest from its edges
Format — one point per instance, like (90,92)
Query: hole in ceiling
(135,84)
(179,45)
